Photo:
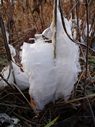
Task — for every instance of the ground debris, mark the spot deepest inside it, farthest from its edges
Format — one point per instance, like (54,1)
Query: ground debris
(7,121)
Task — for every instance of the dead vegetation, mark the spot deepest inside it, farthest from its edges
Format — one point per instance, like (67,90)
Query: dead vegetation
(25,18)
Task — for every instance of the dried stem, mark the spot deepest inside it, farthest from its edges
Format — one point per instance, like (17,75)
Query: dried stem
(87,49)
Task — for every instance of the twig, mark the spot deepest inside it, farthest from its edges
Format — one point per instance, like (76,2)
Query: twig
(77,14)
(13,105)
(87,49)
(77,99)
(72,9)
(55,26)
(6,81)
